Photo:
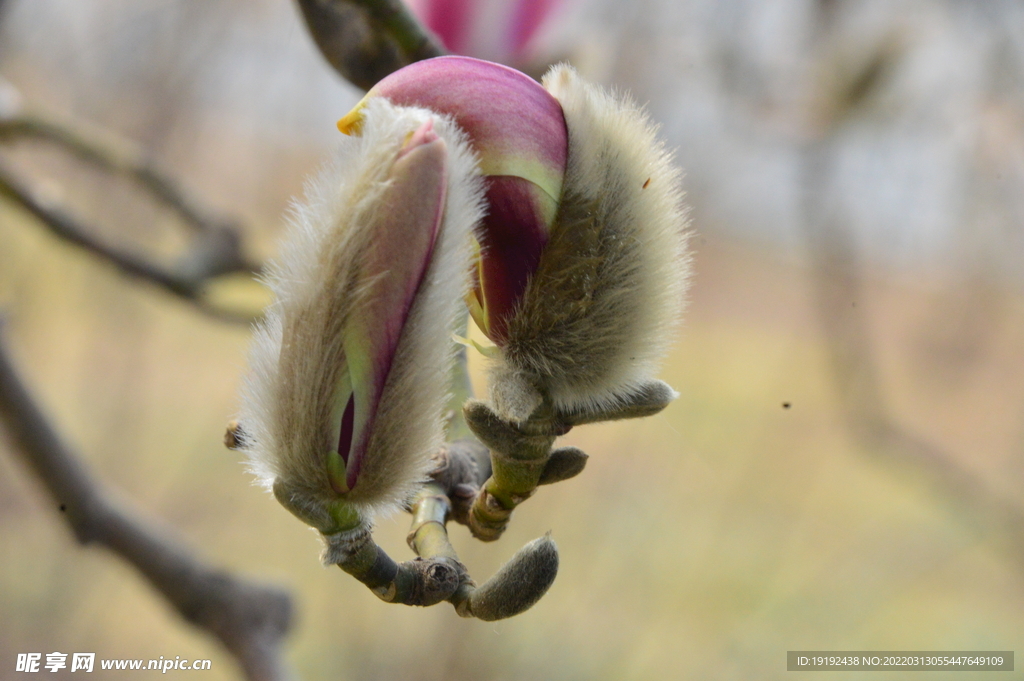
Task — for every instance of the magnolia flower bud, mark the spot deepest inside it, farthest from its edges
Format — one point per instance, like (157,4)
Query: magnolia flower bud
(583,262)
(343,404)
(602,306)
(518,130)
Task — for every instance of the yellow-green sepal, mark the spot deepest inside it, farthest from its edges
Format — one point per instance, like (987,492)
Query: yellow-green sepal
(337,471)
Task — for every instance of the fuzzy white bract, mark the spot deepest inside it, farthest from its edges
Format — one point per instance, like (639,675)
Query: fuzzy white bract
(604,303)
(322,287)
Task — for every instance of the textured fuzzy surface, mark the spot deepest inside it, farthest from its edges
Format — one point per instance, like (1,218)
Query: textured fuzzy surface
(603,305)
(297,355)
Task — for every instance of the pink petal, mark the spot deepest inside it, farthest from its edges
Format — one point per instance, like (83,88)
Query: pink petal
(409,217)
(511,242)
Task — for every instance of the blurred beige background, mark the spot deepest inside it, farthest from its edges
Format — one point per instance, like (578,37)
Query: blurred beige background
(856,172)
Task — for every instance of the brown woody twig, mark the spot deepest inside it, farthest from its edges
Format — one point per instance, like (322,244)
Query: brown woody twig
(216,247)
(214,252)
(115,155)
(250,620)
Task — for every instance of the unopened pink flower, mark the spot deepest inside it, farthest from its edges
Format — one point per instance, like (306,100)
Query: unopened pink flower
(518,130)
(583,261)
(496,30)
(349,372)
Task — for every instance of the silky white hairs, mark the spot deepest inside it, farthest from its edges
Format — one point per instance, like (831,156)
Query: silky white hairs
(601,310)
(296,354)
(595,320)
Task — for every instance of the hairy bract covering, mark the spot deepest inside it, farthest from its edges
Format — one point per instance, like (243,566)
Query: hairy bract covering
(603,305)
(297,357)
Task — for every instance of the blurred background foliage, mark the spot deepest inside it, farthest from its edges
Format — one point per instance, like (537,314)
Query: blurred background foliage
(842,469)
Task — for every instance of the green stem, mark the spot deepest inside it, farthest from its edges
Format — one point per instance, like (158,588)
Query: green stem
(514,588)
(519,455)
(522,457)
(428,537)
(414,582)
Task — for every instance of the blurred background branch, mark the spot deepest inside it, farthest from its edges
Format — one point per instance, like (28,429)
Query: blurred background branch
(215,253)
(849,89)
(837,288)
(120,156)
(364,41)
(216,244)
(249,620)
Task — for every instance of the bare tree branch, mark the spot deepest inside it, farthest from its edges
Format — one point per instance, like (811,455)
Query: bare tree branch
(216,247)
(115,155)
(366,40)
(215,252)
(250,620)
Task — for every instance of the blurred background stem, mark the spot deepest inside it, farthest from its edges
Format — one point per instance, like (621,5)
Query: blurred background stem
(249,620)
